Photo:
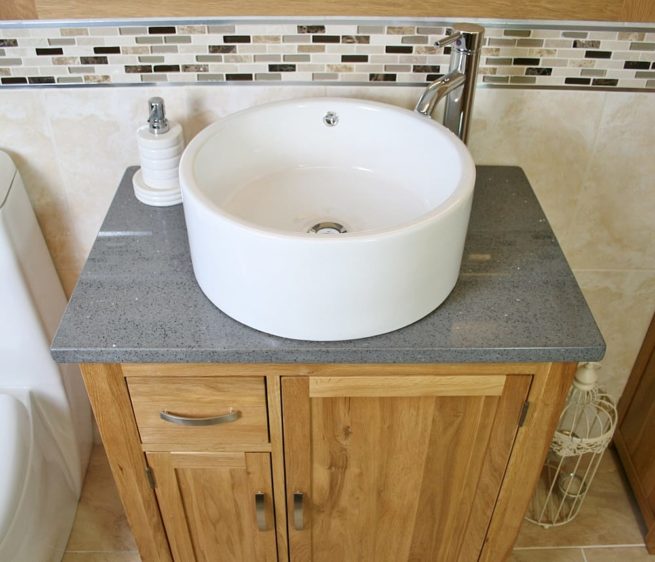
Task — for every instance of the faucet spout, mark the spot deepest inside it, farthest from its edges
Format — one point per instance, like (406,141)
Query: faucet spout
(437,90)
(458,86)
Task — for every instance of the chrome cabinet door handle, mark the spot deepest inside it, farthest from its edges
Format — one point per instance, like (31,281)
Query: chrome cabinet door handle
(232,415)
(260,510)
(298,516)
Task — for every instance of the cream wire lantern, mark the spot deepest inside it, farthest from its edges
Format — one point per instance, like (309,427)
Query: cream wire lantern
(584,432)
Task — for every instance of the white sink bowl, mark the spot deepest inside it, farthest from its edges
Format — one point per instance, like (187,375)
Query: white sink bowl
(256,182)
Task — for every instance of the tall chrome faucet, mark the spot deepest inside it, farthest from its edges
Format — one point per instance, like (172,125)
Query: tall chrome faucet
(458,86)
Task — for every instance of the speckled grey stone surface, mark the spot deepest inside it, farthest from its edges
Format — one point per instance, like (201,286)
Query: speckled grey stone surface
(516,300)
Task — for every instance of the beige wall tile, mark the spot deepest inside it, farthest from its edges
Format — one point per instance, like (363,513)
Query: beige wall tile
(68,278)
(94,131)
(26,137)
(206,104)
(402,96)
(622,303)
(548,555)
(615,221)
(627,554)
(550,134)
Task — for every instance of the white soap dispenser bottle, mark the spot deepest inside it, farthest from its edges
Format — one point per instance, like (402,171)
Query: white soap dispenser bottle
(161,143)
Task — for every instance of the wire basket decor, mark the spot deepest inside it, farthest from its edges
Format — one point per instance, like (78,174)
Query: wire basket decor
(584,432)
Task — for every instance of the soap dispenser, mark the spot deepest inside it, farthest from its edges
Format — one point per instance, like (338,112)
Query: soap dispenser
(160,144)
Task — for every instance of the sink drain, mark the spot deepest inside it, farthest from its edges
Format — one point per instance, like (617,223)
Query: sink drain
(331,119)
(327,228)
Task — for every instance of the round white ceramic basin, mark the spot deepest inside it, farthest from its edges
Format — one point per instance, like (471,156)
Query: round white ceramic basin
(327,218)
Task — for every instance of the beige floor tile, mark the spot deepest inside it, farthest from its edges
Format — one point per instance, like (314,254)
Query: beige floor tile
(100,525)
(548,555)
(636,554)
(608,516)
(101,557)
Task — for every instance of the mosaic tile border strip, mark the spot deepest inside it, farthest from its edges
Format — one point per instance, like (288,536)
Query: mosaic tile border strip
(329,52)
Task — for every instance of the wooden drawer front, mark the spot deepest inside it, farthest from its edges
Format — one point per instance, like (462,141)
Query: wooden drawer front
(200,397)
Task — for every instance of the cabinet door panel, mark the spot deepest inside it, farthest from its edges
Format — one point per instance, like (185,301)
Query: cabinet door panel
(638,429)
(207,501)
(392,476)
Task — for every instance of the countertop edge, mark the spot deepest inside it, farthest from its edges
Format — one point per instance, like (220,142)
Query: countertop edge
(314,357)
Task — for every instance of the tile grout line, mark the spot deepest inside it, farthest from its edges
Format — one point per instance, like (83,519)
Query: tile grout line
(563,547)
(101,551)
(580,546)
(636,545)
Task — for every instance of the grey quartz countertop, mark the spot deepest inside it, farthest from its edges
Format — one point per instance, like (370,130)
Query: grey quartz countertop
(516,300)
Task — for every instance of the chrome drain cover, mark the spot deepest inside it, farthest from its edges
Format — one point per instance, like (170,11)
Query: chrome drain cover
(330,119)
(327,227)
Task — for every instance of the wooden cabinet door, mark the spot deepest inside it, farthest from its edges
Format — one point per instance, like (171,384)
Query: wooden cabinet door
(396,469)
(635,434)
(208,505)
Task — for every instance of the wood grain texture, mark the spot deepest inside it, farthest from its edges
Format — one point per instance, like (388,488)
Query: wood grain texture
(208,505)
(324,369)
(18,10)
(503,434)
(409,369)
(395,478)
(634,380)
(200,397)
(195,370)
(207,448)
(110,401)
(547,394)
(615,10)
(297,451)
(170,500)
(637,489)
(274,396)
(638,430)
(638,10)
(326,387)
(635,435)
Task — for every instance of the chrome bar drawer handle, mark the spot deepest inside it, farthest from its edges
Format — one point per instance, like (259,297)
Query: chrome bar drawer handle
(260,510)
(232,415)
(298,516)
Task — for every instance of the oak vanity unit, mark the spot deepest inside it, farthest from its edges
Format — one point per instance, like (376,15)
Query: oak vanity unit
(423,444)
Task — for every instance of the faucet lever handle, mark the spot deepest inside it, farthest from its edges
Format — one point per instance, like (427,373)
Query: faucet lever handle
(449,39)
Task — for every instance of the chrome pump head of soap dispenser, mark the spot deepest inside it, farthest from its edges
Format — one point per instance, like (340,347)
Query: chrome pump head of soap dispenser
(157,116)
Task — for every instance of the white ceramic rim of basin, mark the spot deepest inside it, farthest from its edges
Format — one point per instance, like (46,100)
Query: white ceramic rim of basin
(458,197)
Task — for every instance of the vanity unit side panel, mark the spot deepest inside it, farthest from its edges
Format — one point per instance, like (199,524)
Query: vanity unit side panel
(110,401)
